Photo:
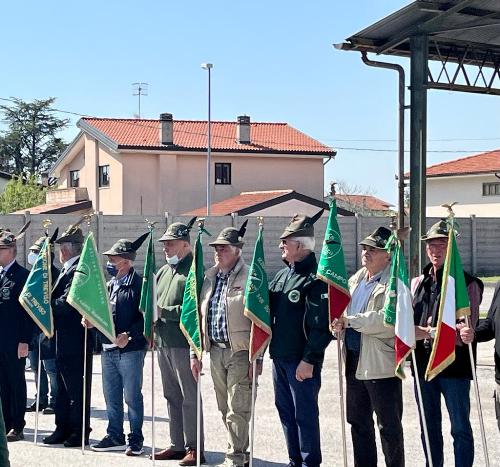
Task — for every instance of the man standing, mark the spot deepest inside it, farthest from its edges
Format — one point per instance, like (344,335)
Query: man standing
(179,386)
(226,335)
(370,359)
(300,335)
(453,383)
(122,360)
(70,344)
(47,349)
(16,332)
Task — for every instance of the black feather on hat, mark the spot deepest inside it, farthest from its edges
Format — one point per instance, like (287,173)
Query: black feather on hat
(125,248)
(301,226)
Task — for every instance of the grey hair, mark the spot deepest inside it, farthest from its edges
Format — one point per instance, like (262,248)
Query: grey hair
(235,250)
(308,243)
(74,248)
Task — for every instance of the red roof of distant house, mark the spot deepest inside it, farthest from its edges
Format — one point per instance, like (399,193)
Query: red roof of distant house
(58,208)
(486,162)
(365,201)
(192,135)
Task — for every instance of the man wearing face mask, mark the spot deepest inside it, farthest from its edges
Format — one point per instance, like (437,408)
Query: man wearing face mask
(47,348)
(122,360)
(179,386)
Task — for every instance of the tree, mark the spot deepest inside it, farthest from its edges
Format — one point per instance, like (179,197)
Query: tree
(21,193)
(30,146)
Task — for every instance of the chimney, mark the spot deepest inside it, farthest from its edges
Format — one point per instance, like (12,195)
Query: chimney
(243,130)
(166,129)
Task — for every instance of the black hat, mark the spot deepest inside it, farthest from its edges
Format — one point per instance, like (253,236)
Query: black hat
(125,248)
(438,230)
(8,239)
(378,238)
(301,226)
(231,236)
(178,231)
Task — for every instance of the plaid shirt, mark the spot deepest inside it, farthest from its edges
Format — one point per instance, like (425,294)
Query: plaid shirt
(217,310)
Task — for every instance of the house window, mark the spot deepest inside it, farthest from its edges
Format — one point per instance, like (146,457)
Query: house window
(222,173)
(103,175)
(74,178)
(491,189)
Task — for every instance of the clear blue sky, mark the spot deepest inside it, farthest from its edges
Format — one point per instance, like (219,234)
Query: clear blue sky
(273,60)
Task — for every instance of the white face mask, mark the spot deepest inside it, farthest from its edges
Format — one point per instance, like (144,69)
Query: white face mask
(32,256)
(172,260)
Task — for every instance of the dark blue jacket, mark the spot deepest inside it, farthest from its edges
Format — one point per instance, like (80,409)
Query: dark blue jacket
(126,315)
(16,326)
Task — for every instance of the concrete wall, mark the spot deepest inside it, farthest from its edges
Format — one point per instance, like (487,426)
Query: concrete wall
(478,241)
(467,191)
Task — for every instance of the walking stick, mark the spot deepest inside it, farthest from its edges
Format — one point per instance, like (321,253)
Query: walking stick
(37,404)
(252,410)
(341,398)
(421,409)
(198,420)
(84,388)
(478,400)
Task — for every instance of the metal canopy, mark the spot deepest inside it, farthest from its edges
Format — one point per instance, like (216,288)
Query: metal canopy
(463,36)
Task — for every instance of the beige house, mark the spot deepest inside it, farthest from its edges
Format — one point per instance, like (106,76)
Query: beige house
(470,181)
(132,166)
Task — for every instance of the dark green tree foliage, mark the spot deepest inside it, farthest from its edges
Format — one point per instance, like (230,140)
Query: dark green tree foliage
(21,193)
(29,145)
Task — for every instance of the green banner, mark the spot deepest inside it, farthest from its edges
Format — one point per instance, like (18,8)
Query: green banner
(35,296)
(148,299)
(88,293)
(190,314)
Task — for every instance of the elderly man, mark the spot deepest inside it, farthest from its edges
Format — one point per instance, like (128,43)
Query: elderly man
(179,386)
(370,359)
(226,333)
(122,360)
(70,340)
(47,348)
(16,332)
(453,383)
(299,313)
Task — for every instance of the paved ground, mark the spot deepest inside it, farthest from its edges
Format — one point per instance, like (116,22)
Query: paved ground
(269,445)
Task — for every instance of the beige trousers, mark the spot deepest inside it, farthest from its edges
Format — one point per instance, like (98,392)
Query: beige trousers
(233,390)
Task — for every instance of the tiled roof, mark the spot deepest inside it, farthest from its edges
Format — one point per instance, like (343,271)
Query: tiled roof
(486,162)
(244,200)
(192,135)
(365,201)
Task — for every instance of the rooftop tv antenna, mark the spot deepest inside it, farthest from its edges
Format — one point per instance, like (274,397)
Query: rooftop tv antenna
(140,89)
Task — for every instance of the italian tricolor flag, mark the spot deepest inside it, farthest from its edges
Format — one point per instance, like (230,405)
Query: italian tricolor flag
(398,309)
(454,304)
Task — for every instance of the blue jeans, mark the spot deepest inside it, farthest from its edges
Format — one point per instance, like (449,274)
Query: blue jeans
(456,396)
(297,404)
(122,377)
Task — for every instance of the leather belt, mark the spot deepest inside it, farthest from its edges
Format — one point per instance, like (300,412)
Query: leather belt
(221,345)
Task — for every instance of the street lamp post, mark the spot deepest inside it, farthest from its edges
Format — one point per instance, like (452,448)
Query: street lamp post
(208,66)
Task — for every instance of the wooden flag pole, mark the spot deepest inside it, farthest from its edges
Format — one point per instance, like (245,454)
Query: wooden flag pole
(341,398)
(198,419)
(84,388)
(421,409)
(252,410)
(478,400)
(38,377)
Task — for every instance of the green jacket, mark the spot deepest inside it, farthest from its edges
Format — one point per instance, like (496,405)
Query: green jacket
(4,452)
(299,313)
(170,288)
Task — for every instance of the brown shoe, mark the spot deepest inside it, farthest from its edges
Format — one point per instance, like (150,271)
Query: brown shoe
(14,435)
(190,458)
(168,454)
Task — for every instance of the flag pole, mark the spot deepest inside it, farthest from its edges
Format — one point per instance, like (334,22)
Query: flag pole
(37,403)
(478,400)
(421,409)
(153,355)
(252,410)
(341,398)
(198,419)
(84,388)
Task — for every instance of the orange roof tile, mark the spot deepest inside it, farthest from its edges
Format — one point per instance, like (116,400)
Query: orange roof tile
(192,135)
(365,201)
(244,200)
(485,162)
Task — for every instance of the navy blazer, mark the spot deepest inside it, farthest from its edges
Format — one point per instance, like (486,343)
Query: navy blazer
(69,332)
(16,326)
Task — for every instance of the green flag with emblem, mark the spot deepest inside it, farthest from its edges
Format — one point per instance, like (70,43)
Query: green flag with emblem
(190,322)
(35,296)
(148,291)
(88,293)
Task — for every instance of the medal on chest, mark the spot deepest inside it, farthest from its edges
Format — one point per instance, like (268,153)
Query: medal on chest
(294,296)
